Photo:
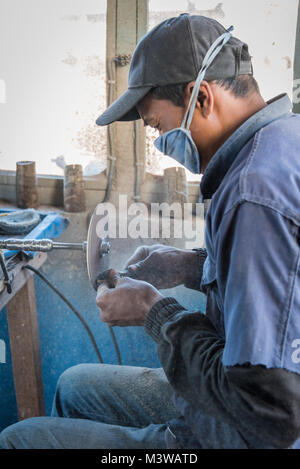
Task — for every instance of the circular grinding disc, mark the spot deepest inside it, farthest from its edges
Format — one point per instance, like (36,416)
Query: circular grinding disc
(97,261)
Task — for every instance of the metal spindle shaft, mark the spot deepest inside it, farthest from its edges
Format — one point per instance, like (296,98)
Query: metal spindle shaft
(45,245)
(74,246)
(42,245)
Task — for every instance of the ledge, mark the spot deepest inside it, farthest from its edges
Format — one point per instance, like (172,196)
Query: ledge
(50,189)
(91,183)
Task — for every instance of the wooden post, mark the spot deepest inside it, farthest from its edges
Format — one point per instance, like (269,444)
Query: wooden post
(26,185)
(25,351)
(126,24)
(297,66)
(74,195)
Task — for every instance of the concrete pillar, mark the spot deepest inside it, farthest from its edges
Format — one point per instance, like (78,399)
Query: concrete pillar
(126,24)
(297,68)
(175,180)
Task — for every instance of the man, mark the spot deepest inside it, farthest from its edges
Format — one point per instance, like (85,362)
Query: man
(234,371)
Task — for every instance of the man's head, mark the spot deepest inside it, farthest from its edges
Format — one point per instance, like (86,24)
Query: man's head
(221,107)
(162,75)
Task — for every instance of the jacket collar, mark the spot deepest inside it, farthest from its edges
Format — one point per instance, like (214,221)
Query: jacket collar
(224,157)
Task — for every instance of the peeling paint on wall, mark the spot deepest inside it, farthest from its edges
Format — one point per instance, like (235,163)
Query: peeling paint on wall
(91,139)
(95,18)
(192,8)
(215,13)
(91,18)
(94,66)
(70,59)
(288,61)
(70,18)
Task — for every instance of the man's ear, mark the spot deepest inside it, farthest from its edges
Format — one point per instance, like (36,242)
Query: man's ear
(188,91)
(205,101)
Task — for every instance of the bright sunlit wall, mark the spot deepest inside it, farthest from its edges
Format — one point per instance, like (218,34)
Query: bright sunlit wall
(52,71)
(53,65)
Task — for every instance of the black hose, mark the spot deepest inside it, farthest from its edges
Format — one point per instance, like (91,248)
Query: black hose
(116,345)
(37,272)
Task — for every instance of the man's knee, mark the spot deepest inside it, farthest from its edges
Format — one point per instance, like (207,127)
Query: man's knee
(80,378)
(70,386)
(5,439)
(20,435)
(78,386)
(71,379)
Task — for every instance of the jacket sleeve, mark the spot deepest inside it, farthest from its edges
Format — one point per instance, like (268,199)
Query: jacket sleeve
(257,401)
(194,282)
(239,379)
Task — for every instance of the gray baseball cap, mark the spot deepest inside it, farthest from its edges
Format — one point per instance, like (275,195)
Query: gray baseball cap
(172,53)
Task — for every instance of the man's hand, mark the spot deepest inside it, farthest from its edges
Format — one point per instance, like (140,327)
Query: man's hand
(163,266)
(124,301)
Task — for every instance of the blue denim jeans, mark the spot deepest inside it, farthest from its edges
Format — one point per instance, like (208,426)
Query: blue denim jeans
(100,407)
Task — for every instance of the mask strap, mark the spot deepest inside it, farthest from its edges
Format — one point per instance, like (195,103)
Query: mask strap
(211,54)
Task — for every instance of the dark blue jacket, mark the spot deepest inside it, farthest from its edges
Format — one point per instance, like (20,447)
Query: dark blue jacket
(236,370)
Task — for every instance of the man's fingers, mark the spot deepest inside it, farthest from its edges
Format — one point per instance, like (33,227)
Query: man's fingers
(102,292)
(106,286)
(140,254)
(146,270)
(102,289)
(112,278)
(137,269)
(109,277)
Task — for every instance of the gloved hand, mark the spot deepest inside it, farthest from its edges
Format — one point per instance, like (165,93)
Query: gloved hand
(125,301)
(163,266)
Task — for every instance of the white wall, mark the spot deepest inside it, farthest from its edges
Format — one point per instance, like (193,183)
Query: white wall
(52,69)
(52,59)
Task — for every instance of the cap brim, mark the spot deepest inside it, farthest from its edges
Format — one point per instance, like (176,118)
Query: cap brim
(124,108)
